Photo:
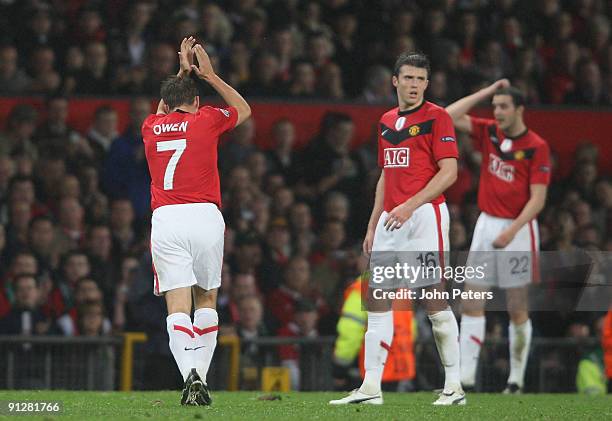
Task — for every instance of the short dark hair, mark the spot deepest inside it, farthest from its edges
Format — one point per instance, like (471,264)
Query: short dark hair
(413,58)
(518,98)
(177,91)
(104,109)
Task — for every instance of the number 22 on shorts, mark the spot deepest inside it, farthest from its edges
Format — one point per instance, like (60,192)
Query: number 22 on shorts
(178,146)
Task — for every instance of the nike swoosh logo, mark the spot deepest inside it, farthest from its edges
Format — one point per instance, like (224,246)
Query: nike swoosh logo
(364,399)
(384,132)
(193,349)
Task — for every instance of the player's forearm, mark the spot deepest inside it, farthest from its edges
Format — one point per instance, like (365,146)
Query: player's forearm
(378,202)
(443,179)
(231,97)
(161,107)
(458,110)
(530,211)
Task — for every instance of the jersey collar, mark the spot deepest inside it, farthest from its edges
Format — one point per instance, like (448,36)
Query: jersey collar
(518,136)
(414,110)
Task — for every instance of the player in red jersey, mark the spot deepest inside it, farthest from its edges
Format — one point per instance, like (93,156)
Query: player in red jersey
(409,225)
(187,227)
(514,176)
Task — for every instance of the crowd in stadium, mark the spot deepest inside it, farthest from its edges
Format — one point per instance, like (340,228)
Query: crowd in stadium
(74,206)
(557,51)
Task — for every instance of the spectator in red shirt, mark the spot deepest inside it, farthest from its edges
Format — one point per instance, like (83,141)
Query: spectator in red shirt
(304,325)
(297,286)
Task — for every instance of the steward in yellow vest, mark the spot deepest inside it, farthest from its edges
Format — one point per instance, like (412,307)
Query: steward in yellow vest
(351,329)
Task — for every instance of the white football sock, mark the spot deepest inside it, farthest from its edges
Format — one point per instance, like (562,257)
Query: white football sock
(520,341)
(471,338)
(446,334)
(180,332)
(205,326)
(378,340)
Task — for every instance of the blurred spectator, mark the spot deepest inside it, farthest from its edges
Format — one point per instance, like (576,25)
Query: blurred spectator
(303,325)
(300,218)
(330,83)
(264,82)
(42,69)
(13,80)
(95,78)
(126,173)
(91,320)
(41,240)
(326,260)
(328,163)
(303,82)
(122,225)
(20,127)
(275,255)
(25,317)
(130,46)
(102,132)
(297,285)
(281,157)
(239,147)
(589,87)
(86,292)
(243,285)
(377,87)
(251,326)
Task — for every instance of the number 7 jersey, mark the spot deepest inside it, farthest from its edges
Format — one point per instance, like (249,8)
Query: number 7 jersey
(181,151)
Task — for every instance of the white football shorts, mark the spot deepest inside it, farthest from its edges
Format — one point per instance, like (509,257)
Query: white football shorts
(187,246)
(420,241)
(510,267)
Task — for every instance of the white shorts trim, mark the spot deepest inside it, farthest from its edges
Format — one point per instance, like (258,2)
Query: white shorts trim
(187,246)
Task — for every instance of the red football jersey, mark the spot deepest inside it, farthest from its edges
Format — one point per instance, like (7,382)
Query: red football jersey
(509,167)
(410,143)
(181,150)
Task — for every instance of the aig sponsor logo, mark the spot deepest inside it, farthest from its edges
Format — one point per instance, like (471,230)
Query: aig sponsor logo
(501,169)
(397,157)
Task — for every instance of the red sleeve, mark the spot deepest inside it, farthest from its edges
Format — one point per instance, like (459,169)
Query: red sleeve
(539,170)
(219,119)
(443,137)
(480,130)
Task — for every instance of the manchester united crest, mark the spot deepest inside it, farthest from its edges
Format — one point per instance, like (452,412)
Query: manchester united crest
(518,155)
(414,130)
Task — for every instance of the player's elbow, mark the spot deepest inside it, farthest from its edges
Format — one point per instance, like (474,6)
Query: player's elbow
(244,112)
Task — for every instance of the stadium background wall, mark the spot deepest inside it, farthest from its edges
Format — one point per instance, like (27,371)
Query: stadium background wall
(563,128)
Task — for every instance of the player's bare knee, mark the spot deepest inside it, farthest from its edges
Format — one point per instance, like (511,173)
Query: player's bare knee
(204,299)
(178,301)
(517,301)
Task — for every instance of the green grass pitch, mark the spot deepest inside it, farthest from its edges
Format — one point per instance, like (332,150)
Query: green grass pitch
(115,406)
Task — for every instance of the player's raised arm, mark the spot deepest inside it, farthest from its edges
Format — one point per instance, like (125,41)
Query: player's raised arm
(458,110)
(205,72)
(185,62)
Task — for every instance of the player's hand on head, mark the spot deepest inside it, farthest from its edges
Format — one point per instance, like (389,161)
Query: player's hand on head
(501,84)
(186,55)
(204,69)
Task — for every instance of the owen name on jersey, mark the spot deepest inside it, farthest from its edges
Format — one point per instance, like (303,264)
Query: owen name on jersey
(169,128)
